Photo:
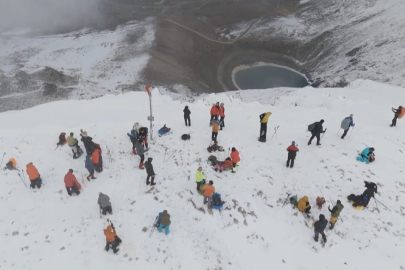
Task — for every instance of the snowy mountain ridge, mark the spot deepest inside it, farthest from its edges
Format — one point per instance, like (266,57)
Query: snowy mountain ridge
(46,229)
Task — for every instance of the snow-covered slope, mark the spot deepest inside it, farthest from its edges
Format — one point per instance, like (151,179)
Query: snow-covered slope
(47,229)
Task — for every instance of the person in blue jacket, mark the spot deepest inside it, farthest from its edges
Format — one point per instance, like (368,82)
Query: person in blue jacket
(133,136)
(367,155)
(163,222)
(346,124)
(90,167)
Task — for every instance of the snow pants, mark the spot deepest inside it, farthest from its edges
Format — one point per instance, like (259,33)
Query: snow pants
(362,159)
(208,200)
(161,226)
(36,183)
(106,209)
(263,131)
(187,120)
(72,189)
(113,245)
(292,162)
(317,236)
(318,138)
(394,121)
(222,122)
(214,136)
(345,133)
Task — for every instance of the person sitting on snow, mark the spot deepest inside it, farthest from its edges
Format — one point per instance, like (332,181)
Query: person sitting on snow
(11,164)
(371,189)
(319,202)
(303,205)
(62,139)
(367,155)
(164,222)
(74,144)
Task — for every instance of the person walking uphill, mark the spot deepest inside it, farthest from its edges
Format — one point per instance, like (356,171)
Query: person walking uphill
(104,203)
(214,112)
(398,114)
(264,118)
(222,115)
(292,153)
(209,190)
(140,150)
(150,172)
(34,176)
(335,212)
(111,239)
(187,116)
(319,227)
(346,124)
(164,220)
(235,159)
(71,183)
(215,129)
(88,163)
(316,132)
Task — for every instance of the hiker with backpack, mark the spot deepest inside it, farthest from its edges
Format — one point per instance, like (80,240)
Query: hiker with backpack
(199,178)
(88,164)
(209,190)
(74,145)
(71,183)
(334,213)
(235,159)
(292,154)
(303,205)
(104,203)
(316,130)
(398,114)
(97,159)
(34,176)
(87,141)
(111,238)
(133,136)
(214,112)
(11,165)
(187,113)
(264,118)
(222,115)
(319,228)
(215,129)
(140,150)
(143,135)
(346,124)
(367,155)
(150,172)
(164,222)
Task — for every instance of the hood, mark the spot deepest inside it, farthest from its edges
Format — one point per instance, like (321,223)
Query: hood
(305,198)
(29,165)
(165,212)
(186,107)
(321,217)
(150,159)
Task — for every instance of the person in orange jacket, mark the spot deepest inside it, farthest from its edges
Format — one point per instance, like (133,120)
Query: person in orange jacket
(111,238)
(215,129)
(222,115)
(34,176)
(214,112)
(208,192)
(97,159)
(235,159)
(71,183)
(11,165)
(292,153)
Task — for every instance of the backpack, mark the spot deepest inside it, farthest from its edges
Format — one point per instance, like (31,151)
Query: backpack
(311,127)
(294,200)
(185,137)
(216,200)
(213,160)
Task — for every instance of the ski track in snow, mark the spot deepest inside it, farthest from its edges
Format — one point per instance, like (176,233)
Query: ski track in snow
(253,231)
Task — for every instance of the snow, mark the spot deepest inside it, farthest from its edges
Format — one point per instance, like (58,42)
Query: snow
(253,231)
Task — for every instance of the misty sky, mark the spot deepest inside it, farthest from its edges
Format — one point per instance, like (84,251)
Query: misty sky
(48,15)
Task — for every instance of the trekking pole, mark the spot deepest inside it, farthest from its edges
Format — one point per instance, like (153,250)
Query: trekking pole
(100,211)
(22,171)
(22,180)
(2,159)
(338,131)
(382,204)
(153,227)
(376,204)
(324,133)
(275,132)
(351,132)
(288,195)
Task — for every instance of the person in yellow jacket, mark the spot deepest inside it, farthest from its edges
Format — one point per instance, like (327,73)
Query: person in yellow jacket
(264,118)
(303,205)
(199,178)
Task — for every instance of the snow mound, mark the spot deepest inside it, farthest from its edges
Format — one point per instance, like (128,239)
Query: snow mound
(47,229)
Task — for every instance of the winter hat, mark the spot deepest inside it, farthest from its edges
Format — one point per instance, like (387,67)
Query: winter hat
(321,217)
(351,115)
(339,202)
(164,212)
(233,149)
(222,104)
(293,143)
(84,133)
(150,159)
(211,183)
(71,134)
(70,170)
(322,121)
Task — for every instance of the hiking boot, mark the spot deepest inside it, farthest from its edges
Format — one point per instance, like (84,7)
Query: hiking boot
(331,227)
(220,171)
(316,239)
(134,151)
(309,143)
(291,166)
(318,144)
(141,166)
(152,183)
(147,183)
(287,165)
(92,177)
(233,172)
(88,178)
(216,169)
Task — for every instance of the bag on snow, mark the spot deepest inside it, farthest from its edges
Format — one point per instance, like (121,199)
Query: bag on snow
(213,160)
(311,127)
(217,202)
(294,200)
(185,137)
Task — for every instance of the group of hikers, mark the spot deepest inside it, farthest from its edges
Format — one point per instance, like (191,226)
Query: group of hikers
(138,137)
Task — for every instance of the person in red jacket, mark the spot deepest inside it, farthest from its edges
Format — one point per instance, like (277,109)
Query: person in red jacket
(235,159)
(214,112)
(292,153)
(71,183)
(222,115)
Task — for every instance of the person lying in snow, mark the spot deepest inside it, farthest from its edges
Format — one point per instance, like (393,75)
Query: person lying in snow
(367,155)
(163,222)
(364,199)
(225,165)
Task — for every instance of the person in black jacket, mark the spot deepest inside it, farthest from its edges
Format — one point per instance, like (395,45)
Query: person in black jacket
(396,112)
(316,132)
(187,116)
(87,141)
(150,172)
(371,189)
(320,226)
